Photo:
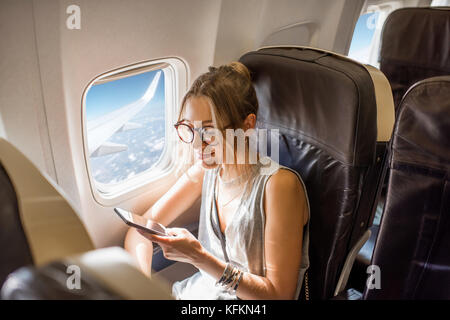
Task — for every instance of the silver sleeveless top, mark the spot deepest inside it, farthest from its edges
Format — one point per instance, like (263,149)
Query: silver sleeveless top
(243,237)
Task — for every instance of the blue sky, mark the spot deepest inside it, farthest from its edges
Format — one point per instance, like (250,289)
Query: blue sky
(363,34)
(107,97)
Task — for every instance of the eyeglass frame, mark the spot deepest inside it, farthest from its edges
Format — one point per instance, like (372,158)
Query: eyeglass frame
(200,131)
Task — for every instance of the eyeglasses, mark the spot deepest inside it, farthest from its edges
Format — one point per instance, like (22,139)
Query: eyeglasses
(186,133)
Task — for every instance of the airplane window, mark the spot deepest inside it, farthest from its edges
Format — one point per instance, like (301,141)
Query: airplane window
(440,3)
(366,39)
(364,46)
(125,125)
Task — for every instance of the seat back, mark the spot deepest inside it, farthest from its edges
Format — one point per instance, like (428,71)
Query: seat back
(413,246)
(415,45)
(38,222)
(325,109)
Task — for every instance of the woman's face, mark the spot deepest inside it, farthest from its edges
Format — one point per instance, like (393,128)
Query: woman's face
(197,114)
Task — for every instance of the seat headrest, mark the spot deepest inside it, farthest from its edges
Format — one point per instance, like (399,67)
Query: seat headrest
(325,99)
(419,37)
(422,133)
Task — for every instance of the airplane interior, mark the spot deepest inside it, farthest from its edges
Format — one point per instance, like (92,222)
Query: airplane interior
(358,92)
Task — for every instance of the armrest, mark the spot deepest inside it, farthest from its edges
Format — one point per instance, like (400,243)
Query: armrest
(342,282)
(365,254)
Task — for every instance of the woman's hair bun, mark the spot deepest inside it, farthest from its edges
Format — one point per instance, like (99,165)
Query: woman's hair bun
(241,69)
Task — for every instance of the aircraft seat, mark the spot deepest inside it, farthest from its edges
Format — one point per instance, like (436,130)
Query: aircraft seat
(103,274)
(413,245)
(330,112)
(42,236)
(415,45)
(42,220)
(39,224)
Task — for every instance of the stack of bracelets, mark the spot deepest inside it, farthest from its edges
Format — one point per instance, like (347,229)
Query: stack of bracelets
(230,278)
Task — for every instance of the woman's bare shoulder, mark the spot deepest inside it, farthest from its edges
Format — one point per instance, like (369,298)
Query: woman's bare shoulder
(284,180)
(285,189)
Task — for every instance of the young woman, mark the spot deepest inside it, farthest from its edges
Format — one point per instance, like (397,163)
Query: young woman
(253,229)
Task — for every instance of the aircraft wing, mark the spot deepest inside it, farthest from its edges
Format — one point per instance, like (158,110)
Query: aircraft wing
(99,130)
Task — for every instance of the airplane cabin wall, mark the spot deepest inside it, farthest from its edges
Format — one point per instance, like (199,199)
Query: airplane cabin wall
(22,113)
(46,68)
(112,36)
(247,25)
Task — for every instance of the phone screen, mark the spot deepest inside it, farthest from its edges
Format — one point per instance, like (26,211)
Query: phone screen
(137,221)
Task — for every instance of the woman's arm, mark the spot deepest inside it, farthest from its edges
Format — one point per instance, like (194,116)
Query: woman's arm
(180,197)
(285,208)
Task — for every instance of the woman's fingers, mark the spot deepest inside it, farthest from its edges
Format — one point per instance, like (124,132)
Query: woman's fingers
(170,232)
(177,231)
(153,237)
(175,237)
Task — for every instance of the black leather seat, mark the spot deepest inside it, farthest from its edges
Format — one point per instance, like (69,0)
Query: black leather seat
(38,224)
(49,283)
(36,216)
(415,45)
(102,274)
(324,107)
(413,246)
(42,235)
(15,249)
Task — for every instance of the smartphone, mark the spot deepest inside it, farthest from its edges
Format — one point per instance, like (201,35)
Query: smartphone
(139,222)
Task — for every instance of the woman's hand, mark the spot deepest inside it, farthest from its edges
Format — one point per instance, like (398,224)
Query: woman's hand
(180,245)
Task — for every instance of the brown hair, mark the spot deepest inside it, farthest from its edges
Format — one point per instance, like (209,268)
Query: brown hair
(232,98)
(230,90)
